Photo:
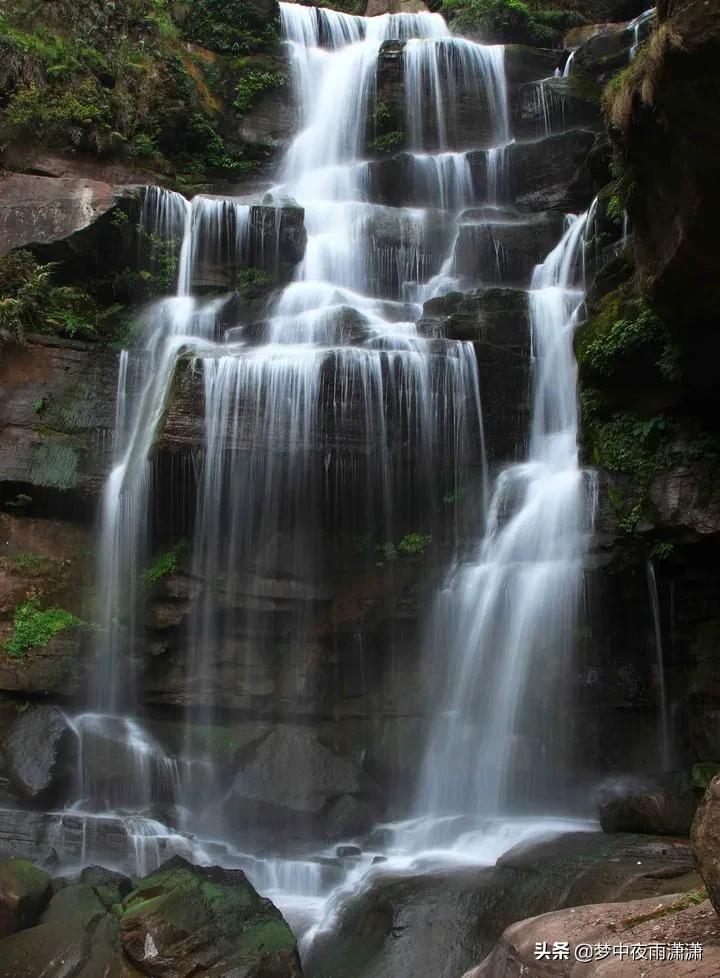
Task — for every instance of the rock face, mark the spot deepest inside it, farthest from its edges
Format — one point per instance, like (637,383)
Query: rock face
(24,891)
(40,752)
(675,208)
(42,209)
(705,839)
(187,919)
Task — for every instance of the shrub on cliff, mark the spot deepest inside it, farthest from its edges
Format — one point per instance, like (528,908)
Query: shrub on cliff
(510,20)
(121,79)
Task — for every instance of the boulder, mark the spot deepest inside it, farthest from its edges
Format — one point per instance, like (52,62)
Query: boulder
(652,812)
(292,780)
(41,754)
(189,920)
(24,891)
(43,209)
(349,816)
(79,945)
(679,918)
(705,838)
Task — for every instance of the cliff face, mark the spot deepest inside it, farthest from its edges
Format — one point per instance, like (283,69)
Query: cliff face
(648,365)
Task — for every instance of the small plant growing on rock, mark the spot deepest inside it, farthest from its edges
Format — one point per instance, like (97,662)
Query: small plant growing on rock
(34,627)
(165,564)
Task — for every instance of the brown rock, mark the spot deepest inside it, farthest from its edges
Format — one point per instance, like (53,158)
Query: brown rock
(705,838)
(683,918)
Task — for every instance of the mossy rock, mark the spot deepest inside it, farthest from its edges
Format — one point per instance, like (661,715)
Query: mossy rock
(186,917)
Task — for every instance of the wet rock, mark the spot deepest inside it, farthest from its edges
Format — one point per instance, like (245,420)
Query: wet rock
(505,251)
(443,922)
(556,104)
(67,448)
(24,891)
(79,901)
(705,838)
(349,816)
(106,880)
(348,852)
(655,813)
(291,779)
(277,239)
(187,919)
(550,173)
(608,49)
(496,321)
(41,752)
(681,918)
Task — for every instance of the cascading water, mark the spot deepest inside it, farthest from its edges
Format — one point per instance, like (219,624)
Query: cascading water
(340,361)
(506,617)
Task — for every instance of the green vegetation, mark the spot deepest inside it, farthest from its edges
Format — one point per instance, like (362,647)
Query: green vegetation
(164,564)
(250,277)
(625,332)
(385,143)
(511,20)
(412,544)
(230,27)
(34,627)
(31,302)
(252,85)
(28,563)
(121,80)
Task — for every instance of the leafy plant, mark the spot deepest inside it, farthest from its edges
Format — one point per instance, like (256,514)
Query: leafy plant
(248,277)
(165,564)
(253,85)
(34,627)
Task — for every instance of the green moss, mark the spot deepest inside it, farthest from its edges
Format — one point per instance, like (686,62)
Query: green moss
(625,334)
(28,563)
(55,466)
(34,627)
(164,564)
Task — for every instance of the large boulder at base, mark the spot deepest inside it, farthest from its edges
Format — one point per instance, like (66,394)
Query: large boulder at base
(439,923)
(705,838)
(40,752)
(24,890)
(189,920)
(680,918)
(292,780)
(653,812)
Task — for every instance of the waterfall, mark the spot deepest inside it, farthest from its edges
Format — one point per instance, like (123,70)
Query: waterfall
(504,619)
(332,416)
(664,745)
